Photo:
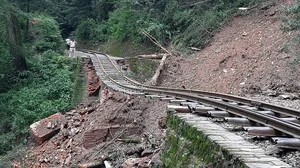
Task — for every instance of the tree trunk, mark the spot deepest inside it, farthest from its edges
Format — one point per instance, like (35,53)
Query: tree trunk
(14,39)
(27,20)
(151,56)
(154,79)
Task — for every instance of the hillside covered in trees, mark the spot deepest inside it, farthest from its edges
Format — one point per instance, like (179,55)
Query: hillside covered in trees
(37,79)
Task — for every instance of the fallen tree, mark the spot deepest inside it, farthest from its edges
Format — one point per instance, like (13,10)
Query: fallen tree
(154,79)
(150,56)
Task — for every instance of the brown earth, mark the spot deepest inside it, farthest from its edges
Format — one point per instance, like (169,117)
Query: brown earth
(250,54)
(114,128)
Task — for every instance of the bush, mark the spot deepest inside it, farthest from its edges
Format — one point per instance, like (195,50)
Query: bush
(6,68)
(45,34)
(194,27)
(92,30)
(123,24)
(291,22)
(166,20)
(46,90)
(141,70)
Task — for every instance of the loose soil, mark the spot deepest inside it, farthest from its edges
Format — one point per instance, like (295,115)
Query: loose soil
(113,128)
(250,54)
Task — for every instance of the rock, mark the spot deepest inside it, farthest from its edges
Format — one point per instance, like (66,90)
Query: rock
(69,143)
(53,125)
(93,164)
(68,160)
(73,131)
(40,131)
(138,149)
(284,97)
(124,130)
(49,125)
(82,112)
(271,93)
(289,96)
(131,162)
(146,152)
(244,34)
(272,12)
(107,164)
(162,122)
(156,161)
(272,149)
(69,113)
(77,123)
(94,137)
(210,165)
(65,133)
(91,109)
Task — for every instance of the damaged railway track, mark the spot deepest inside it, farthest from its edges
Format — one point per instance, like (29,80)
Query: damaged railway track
(258,118)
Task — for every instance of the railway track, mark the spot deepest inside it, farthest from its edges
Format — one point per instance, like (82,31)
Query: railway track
(258,118)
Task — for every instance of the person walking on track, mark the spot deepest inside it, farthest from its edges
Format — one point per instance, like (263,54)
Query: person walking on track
(72,48)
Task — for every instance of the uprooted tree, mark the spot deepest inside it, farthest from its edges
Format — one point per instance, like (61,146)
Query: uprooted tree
(154,79)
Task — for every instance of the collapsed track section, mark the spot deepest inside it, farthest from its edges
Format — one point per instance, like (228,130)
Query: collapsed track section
(262,118)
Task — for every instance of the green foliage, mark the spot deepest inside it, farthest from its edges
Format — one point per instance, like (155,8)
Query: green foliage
(196,26)
(127,48)
(101,9)
(92,30)
(76,11)
(182,22)
(142,69)
(123,23)
(47,89)
(6,68)
(45,33)
(49,85)
(292,21)
(188,147)
(185,23)
(78,88)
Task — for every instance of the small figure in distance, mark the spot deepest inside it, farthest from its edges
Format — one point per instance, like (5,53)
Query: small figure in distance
(72,48)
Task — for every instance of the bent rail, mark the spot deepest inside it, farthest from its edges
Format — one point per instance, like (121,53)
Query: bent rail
(113,73)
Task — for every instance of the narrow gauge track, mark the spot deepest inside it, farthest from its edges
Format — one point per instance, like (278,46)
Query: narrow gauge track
(112,76)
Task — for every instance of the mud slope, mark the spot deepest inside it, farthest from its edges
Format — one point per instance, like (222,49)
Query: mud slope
(249,54)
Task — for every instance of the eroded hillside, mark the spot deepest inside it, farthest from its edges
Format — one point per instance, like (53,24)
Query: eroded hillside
(250,54)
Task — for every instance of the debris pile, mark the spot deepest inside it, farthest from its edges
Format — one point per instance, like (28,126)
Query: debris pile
(119,130)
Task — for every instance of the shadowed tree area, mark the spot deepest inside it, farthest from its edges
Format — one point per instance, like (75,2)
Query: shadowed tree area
(14,39)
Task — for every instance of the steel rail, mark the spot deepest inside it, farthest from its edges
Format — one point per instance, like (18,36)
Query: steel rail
(267,120)
(259,104)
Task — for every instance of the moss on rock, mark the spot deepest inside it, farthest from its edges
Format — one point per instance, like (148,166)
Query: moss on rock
(188,147)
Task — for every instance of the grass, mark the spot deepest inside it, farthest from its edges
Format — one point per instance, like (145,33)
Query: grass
(78,89)
(188,147)
(142,69)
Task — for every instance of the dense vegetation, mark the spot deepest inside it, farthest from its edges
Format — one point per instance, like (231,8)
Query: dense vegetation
(185,23)
(36,80)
